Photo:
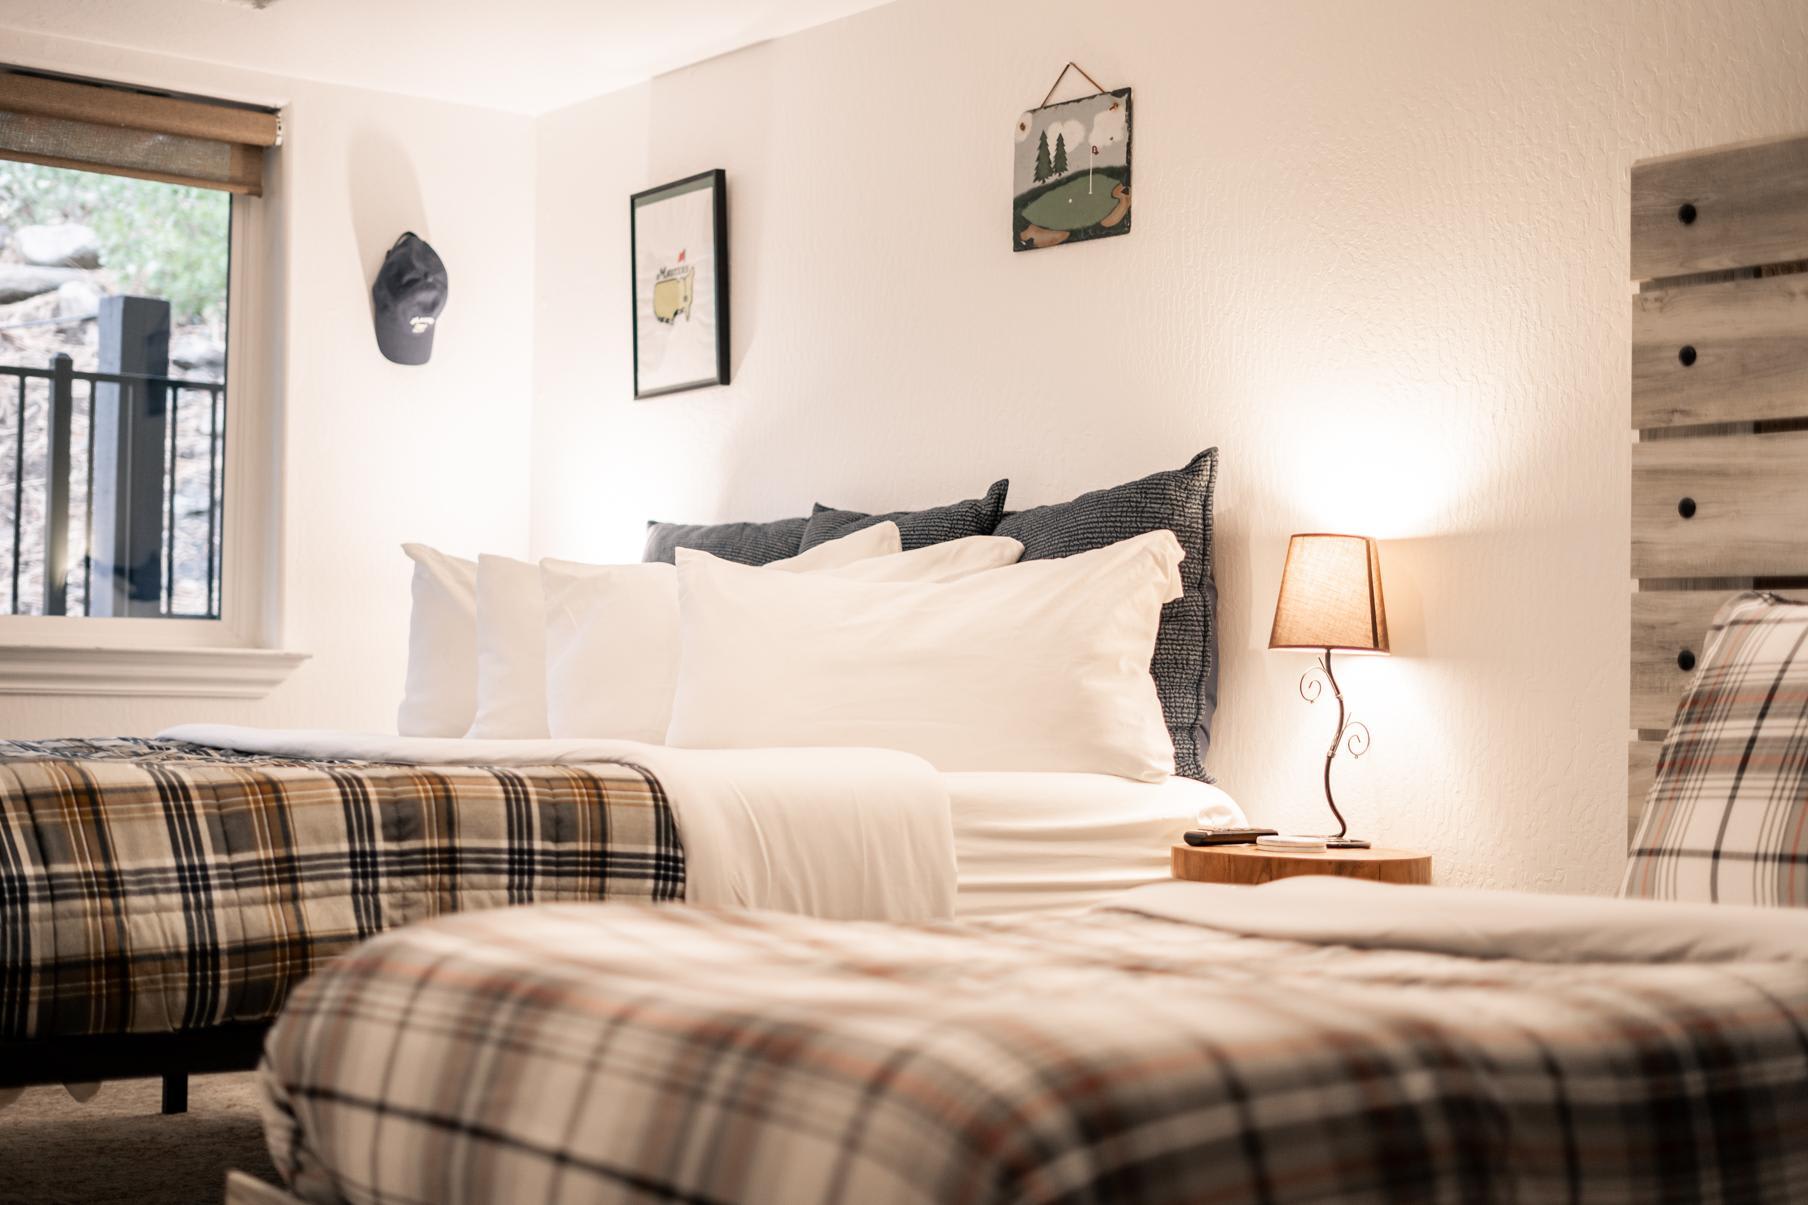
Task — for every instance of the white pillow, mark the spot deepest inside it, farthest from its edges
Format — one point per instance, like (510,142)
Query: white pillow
(1042,665)
(511,650)
(612,630)
(440,694)
(609,657)
(881,539)
(611,649)
(945,562)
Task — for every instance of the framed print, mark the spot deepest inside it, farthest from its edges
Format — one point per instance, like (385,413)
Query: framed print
(1071,172)
(678,249)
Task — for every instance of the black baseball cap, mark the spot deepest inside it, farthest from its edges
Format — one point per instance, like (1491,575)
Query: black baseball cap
(406,300)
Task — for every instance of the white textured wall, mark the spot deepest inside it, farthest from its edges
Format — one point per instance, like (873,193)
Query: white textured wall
(1379,258)
(371,453)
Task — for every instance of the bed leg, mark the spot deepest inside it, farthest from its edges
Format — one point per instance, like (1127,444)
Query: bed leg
(175,1093)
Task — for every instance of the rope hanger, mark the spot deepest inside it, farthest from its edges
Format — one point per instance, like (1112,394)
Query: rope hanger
(1071,66)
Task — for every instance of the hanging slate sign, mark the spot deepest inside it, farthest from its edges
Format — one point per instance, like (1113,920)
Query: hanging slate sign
(1072,170)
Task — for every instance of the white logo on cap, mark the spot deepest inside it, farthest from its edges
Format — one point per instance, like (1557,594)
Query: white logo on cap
(420,323)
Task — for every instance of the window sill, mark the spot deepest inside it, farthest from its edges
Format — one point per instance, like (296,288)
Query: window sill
(42,669)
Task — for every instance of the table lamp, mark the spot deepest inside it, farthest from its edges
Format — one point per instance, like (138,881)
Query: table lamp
(1330,600)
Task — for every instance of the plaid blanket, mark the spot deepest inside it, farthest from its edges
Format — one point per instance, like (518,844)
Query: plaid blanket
(612,1053)
(1726,818)
(152,886)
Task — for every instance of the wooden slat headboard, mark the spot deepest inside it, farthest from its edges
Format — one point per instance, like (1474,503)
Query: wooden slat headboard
(1719,406)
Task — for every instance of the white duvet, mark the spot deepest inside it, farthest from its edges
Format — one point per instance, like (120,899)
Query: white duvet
(1475,923)
(837,833)
(1033,841)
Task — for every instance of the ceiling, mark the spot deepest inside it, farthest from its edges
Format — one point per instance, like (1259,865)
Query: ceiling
(523,56)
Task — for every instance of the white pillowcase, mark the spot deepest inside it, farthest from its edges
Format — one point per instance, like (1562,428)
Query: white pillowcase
(1038,666)
(945,562)
(512,616)
(440,695)
(612,636)
(511,650)
(881,539)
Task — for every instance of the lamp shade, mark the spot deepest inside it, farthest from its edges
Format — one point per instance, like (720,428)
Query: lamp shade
(1330,596)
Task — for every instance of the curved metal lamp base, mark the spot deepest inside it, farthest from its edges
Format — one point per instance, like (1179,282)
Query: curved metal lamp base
(1351,734)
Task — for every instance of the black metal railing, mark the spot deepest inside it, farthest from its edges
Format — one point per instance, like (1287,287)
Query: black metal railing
(139,461)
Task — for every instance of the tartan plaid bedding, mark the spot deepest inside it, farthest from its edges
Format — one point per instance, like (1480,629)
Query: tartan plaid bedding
(613,1054)
(1727,813)
(1726,819)
(150,886)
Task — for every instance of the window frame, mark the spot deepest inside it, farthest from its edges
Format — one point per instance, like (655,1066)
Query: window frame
(231,656)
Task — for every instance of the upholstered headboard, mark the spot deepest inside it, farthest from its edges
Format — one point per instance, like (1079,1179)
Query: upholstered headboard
(1719,406)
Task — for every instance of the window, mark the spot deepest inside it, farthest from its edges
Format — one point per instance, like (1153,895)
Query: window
(114,301)
(133,462)
(124,218)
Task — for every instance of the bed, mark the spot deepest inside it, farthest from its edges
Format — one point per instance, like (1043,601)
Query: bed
(1310,1040)
(160,899)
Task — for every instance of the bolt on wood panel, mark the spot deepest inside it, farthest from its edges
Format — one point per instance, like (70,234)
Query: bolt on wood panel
(1717,353)
(1668,630)
(1725,506)
(1731,207)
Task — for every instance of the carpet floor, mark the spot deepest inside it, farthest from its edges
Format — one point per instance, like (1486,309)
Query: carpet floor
(118,1147)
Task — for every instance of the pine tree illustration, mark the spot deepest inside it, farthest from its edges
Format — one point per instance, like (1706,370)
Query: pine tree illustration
(1042,168)
(1060,154)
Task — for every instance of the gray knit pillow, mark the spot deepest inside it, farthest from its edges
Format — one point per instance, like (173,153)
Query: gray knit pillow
(745,543)
(917,528)
(1185,665)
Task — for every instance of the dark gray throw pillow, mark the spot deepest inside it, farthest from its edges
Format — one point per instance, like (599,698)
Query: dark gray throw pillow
(917,528)
(1185,666)
(745,543)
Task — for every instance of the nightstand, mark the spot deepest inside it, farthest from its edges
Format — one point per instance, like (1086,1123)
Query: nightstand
(1249,864)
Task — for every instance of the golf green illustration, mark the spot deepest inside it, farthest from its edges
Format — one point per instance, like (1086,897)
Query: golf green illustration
(1072,172)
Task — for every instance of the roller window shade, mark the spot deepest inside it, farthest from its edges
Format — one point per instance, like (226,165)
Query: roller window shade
(93,127)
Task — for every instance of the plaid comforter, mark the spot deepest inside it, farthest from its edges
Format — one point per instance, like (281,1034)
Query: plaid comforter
(1726,818)
(610,1053)
(151,886)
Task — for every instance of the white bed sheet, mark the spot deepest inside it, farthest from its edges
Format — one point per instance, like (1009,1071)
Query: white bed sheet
(1044,841)
(847,834)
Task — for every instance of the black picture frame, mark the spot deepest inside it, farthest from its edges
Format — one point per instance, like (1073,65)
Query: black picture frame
(716,180)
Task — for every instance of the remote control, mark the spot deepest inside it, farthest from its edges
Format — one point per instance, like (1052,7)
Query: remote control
(1226,836)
